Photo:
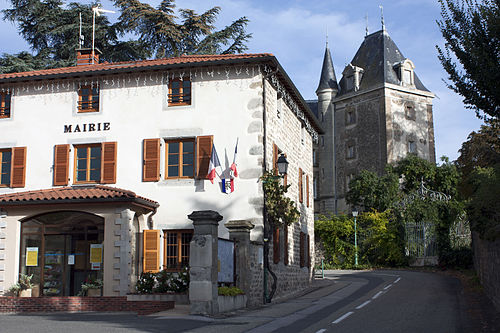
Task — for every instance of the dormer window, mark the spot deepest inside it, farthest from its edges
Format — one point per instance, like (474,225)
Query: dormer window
(405,70)
(4,105)
(353,76)
(88,98)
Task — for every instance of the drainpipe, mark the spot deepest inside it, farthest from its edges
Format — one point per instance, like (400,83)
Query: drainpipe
(150,218)
(267,299)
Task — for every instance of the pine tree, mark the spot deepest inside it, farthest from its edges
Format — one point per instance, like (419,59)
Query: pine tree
(159,29)
(471,55)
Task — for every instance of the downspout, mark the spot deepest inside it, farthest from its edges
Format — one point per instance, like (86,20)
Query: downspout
(150,218)
(267,299)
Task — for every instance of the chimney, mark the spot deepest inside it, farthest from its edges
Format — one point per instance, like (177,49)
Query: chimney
(84,56)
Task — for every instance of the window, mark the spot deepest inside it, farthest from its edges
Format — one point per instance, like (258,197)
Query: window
(351,151)
(285,244)
(179,156)
(301,186)
(176,249)
(302,134)
(184,158)
(349,177)
(5,160)
(412,147)
(302,249)
(315,187)
(279,107)
(88,163)
(410,112)
(4,105)
(350,116)
(13,167)
(88,98)
(179,92)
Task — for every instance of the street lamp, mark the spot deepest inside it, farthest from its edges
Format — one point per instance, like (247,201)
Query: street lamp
(355,214)
(282,165)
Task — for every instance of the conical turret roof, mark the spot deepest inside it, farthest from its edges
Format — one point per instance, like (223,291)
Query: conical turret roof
(328,79)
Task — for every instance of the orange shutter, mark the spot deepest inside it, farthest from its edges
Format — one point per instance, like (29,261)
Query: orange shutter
(18,167)
(61,165)
(307,190)
(151,160)
(203,154)
(151,251)
(276,245)
(308,251)
(275,159)
(302,250)
(301,191)
(285,244)
(108,163)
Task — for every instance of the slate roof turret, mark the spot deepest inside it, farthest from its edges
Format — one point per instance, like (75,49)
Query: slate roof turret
(377,56)
(328,79)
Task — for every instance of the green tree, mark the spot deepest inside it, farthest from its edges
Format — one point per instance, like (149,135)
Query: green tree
(165,34)
(51,30)
(471,55)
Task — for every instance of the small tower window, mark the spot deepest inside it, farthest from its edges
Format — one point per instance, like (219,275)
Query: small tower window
(351,151)
(353,76)
(410,112)
(405,71)
(412,147)
(350,116)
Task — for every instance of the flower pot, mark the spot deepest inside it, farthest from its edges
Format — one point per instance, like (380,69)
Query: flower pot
(35,291)
(94,292)
(25,293)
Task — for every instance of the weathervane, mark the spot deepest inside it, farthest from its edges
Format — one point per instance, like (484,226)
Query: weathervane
(382,16)
(96,11)
(327,35)
(366,28)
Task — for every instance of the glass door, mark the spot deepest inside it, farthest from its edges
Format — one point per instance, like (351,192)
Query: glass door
(54,269)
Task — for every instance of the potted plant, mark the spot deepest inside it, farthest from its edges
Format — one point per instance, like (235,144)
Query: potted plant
(23,286)
(91,287)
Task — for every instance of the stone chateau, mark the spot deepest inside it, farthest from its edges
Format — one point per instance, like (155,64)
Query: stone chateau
(376,114)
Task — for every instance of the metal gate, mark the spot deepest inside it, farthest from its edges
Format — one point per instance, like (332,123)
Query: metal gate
(421,243)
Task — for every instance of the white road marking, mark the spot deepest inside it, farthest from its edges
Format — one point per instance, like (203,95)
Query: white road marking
(397,280)
(377,294)
(321,330)
(362,305)
(387,287)
(342,318)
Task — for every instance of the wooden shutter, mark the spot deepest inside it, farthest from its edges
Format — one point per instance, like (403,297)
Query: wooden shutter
(275,158)
(301,190)
(276,245)
(285,244)
(307,190)
(302,250)
(151,251)
(285,179)
(203,154)
(151,160)
(61,165)
(18,167)
(108,163)
(308,251)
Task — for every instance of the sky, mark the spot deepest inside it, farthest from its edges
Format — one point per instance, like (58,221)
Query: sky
(295,31)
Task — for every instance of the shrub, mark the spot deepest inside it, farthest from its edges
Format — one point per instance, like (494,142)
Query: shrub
(163,282)
(230,291)
(146,283)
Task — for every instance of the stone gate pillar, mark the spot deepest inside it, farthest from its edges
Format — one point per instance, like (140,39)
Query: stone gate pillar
(203,262)
(239,232)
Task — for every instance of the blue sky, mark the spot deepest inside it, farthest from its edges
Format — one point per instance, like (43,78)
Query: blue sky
(295,32)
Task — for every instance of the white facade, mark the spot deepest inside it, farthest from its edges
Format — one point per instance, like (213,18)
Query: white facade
(226,103)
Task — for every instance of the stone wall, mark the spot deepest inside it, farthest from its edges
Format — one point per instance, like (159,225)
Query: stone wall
(487,265)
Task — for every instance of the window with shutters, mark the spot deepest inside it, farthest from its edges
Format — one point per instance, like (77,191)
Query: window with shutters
(301,186)
(176,249)
(4,105)
(276,154)
(179,155)
(88,98)
(179,92)
(13,167)
(307,190)
(302,249)
(285,244)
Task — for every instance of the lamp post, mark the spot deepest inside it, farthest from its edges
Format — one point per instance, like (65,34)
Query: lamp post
(355,214)
(282,165)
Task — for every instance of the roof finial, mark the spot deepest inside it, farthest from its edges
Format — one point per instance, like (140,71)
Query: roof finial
(327,35)
(366,29)
(382,16)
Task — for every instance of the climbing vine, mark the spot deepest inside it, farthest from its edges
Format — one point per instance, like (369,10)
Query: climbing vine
(280,209)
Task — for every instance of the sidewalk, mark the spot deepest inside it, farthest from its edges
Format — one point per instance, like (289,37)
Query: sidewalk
(248,319)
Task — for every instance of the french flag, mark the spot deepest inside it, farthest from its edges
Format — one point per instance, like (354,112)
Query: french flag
(214,163)
(233,166)
(228,186)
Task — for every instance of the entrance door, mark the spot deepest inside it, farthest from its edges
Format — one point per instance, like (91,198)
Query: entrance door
(62,241)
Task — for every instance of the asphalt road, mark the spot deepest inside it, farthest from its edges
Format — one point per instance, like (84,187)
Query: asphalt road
(374,301)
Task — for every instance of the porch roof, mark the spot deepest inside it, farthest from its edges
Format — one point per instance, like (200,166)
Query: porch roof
(76,194)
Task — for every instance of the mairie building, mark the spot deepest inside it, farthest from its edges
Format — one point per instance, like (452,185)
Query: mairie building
(102,163)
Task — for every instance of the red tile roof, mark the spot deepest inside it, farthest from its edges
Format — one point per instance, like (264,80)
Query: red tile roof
(128,65)
(75,194)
